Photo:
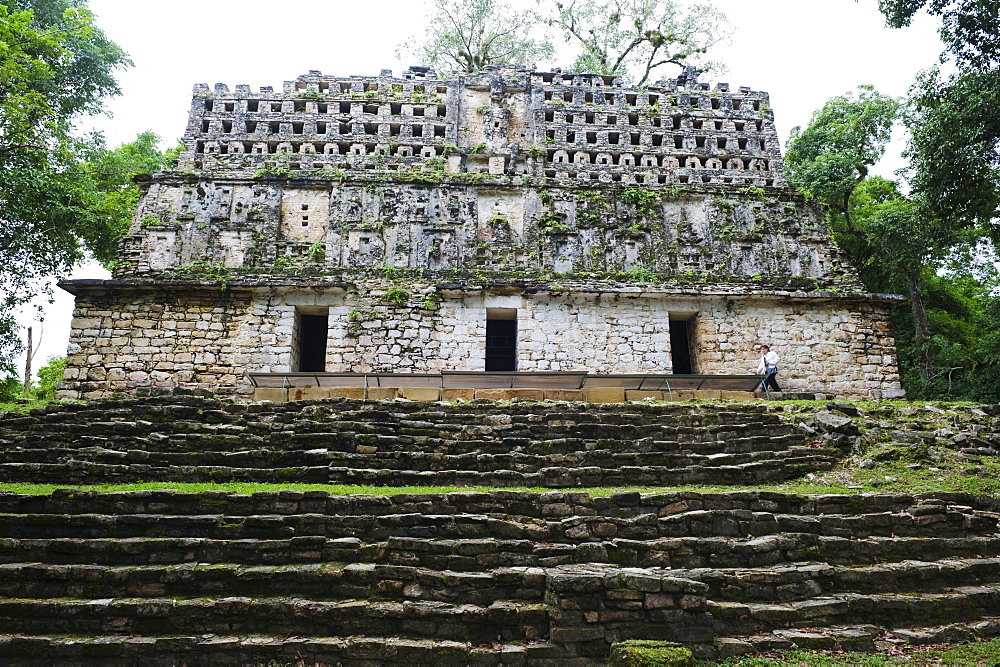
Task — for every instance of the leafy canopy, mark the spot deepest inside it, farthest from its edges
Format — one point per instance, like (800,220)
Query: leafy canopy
(636,38)
(843,140)
(469,35)
(954,147)
(55,66)
(969,28)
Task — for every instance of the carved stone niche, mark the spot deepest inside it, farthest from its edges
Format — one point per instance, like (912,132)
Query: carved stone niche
(365,247)
(233,245)
(304,214)
(500,217)
(436,248)
(162,247)
(496,124)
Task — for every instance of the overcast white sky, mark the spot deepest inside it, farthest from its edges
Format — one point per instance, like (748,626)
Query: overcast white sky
(800,51)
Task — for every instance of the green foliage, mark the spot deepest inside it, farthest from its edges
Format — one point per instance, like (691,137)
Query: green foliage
(635,38)
(49,376)
(396,296)
(206,271)
(964,339)
(468,35)
(945,341)
(274,171)
(844,139)
(648,653)
(311,93)
(954,126)
(10,388)
(55,66)
(646,202)
(968,27)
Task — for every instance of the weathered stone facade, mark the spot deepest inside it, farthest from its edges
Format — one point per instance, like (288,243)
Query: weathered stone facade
(405,214)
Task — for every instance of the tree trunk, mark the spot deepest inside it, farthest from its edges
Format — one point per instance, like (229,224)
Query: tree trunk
(27,366)
(921,329)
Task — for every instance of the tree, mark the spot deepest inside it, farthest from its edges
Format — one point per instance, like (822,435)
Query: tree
(49,376)
(954,147)
(954,121)
(55,66)
(638,37)
(468,35)
(899,244)
(843,140)
(968,27)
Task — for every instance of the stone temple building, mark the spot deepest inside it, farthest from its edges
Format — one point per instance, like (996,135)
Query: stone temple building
(508,220)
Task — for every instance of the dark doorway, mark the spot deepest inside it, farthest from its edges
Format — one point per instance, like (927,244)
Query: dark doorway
(680,347)
(312,342)
(501,340)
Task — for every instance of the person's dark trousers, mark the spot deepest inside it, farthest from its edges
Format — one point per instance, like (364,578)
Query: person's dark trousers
(771,382)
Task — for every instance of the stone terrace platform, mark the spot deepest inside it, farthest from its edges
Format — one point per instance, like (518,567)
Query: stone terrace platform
(505,386)
(401,443)
(507,577)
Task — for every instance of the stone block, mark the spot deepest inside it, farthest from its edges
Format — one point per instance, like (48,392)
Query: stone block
(568,635)
(708,394)
(735,395)
(726,647)
(639,395)
(452,394)
(605,395)
(275,394)
(315,393)
(420,393)
(508,394)
(685,394)
(565,395)
(381,393)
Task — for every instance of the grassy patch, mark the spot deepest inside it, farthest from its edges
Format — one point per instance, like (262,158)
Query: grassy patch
(245,488)
(22,406)
(986,653)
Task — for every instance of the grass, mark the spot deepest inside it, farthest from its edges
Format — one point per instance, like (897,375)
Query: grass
(985,653)
(22,406)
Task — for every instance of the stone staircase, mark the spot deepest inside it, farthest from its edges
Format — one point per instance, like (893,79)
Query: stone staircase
(506,577)
(511,577)
(197,439)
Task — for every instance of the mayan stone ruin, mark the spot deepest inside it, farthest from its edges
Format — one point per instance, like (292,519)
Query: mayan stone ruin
(502,221)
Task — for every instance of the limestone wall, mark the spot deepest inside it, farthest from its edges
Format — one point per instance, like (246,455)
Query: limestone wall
(125,338)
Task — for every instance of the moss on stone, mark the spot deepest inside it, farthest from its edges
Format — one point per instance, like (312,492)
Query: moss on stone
(643,653)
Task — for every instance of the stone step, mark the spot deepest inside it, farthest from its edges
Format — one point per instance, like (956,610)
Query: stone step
(212,411)
(942,522)
(890,610)
(373,457)
(500,621)
(322,581)
(231,649)
(482,554)
(549,505)
(571,476)
(774,550)
(572,529)
(845,638)
(952,633)
(32,445)
(477,585)
(801,581)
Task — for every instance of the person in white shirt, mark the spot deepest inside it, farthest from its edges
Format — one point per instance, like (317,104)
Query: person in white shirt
(768,367)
